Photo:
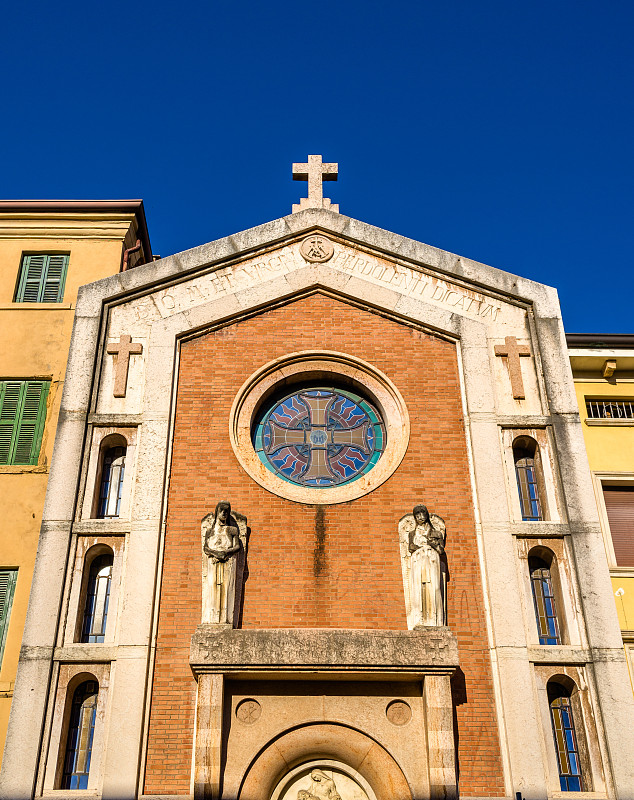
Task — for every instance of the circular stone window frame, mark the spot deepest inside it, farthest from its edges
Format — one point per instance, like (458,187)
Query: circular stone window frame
(328,367)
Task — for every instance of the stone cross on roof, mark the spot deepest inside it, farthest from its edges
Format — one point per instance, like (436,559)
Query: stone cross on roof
(315,172)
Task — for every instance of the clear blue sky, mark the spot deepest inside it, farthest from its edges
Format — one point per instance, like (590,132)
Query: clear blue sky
(499,130)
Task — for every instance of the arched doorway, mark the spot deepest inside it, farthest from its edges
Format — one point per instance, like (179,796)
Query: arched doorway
(329,759)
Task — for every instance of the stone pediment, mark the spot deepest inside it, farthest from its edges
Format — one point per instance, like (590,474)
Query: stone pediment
(211,285)
(362,254)
(348,261)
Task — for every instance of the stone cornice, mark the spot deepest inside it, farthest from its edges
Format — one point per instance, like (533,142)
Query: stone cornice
(221,649)
(248,243)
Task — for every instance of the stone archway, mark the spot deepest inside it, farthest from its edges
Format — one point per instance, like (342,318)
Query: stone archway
(337,751)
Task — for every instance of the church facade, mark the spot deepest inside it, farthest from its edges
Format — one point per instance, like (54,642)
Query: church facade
(319,524)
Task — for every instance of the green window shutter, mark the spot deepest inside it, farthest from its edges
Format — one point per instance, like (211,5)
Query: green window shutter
(10,400)
(8,578)
(22,418)
(53,288)
(42,278)
(31,422)
(31,274)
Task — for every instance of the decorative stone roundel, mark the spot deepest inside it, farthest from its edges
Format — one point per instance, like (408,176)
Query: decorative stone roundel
(398,712)
(320,437)
(248,711)
(316,249)
(319,427)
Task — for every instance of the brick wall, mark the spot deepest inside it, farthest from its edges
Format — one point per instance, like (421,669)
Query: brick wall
(329,566)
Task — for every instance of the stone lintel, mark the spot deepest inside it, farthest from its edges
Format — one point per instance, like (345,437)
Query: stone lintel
(417,652)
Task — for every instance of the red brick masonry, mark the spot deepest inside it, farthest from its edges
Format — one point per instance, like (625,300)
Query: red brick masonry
(329,566)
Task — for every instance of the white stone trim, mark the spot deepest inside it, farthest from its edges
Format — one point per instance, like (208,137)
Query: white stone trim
(563,584)
(587,726)
(72,675)
(93,474)
(467,358)
(610,423)
(79,580)
(547,463)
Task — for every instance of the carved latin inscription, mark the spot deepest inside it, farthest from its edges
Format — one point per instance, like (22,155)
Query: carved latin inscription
(402,279)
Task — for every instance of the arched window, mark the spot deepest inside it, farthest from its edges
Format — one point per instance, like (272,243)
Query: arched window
(112,469)
(526,457)
(566,739)
(548,625)
(81,728)
(97,598)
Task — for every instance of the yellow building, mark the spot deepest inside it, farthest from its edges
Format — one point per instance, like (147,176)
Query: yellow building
(47,250)
(603,370)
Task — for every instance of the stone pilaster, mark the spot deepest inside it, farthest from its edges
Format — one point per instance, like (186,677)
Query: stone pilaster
(208,736)
(440,740)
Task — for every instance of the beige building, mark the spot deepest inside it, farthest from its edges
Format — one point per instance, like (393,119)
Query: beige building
(48,249)
(603,369)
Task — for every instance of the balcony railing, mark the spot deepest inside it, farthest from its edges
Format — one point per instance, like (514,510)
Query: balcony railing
(610,409)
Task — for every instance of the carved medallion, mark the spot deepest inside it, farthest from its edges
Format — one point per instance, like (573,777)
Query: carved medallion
(398,712)
(316,248)
(248,711)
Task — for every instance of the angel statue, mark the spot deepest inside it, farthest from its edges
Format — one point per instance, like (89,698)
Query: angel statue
(224,536)
(422,538)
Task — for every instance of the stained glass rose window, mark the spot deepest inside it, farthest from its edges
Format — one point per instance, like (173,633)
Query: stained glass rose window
(320,437)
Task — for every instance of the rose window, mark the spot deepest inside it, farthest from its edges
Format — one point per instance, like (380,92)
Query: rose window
(320,437)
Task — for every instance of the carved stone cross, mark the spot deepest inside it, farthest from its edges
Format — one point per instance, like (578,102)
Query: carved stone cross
(315,172)
(512,351)
(123,350)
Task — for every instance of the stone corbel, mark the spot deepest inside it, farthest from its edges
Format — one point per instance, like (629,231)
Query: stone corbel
(609,368)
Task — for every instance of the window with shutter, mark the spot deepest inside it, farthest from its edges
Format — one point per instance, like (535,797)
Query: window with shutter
(8,578)
(42,278)
(22,417)
(619,503)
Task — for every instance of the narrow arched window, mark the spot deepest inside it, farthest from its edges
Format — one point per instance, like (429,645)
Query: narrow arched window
(544,600)
(566,741)
(81,728)
(97,598)
(528,478)
(112,469)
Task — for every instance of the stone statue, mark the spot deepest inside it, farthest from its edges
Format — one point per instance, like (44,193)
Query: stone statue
(321,788)
(422,539)
(224,535)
